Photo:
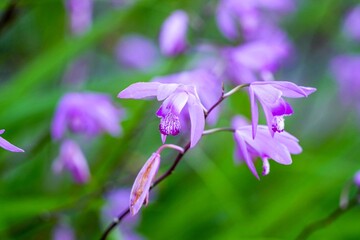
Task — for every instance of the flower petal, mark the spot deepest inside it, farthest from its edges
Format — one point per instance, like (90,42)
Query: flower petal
(74,161)
(197,119)
(8,146)
(165,90)
(292,90)
(142,183)
(254,112)
(244,153)
(140,90)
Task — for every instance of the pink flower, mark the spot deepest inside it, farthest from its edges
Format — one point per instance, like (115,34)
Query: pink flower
(264,146)
(270,95)
(80,14)
(135,51)
(352,24)
(86,113)
(173,34)
(175,97)
(72,159)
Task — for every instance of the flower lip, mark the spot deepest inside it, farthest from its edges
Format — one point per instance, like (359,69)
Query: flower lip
(170,124)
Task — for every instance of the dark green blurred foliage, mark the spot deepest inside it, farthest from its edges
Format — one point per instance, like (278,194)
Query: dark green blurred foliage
(209,196)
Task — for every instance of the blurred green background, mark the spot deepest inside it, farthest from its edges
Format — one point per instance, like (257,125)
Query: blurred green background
(208,196)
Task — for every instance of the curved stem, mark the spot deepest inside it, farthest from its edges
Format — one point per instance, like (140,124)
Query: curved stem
(215,130)
(311,228)
(226,95)
(177,160)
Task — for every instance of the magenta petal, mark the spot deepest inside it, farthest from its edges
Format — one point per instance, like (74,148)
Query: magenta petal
(8,146)
(140,90)
(244,153)
(281,108)
(142,184)
(197,119)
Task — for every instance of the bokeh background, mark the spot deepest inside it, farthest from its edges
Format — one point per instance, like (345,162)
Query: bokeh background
(209,196)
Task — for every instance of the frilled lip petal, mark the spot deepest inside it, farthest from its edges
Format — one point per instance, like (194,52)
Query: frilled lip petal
(8,146)
(142,184)
(140,90)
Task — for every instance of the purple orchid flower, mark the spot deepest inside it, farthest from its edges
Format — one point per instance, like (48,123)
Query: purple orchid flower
(173,34)
(357,178)
(117,201)
(63,231)
(8,146)
(208,86)
(264,146)
(247,15)
(80,13)
(136,51)
(346,70)
(261,57)
(175,97)
(72,159)
(87,113)
(140,190)
(270,95)
(351,27)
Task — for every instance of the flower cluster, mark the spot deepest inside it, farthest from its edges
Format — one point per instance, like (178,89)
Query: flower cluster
(191,99)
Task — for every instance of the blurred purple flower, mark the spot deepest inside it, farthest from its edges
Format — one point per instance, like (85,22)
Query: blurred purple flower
(262,57)
(8,146)
(80,14)
(270,95)
(117,202)
(140,191)
(87,113)
(357,178)
(346,69)
(174,97)
(173,34)
(63,231)
(247,15)
(263,146)
(72,159)
(136,52)
(352,24)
